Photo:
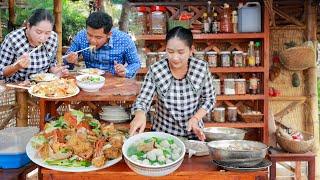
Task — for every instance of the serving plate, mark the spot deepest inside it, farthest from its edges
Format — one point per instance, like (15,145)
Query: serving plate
(43,77)
(91,71)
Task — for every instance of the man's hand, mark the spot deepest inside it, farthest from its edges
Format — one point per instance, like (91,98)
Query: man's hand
(120,69)
(72,58)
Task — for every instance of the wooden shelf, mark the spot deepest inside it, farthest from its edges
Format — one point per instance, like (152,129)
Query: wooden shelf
(207,36)
(144,71)
(288,98)
(235,124)
(240,97)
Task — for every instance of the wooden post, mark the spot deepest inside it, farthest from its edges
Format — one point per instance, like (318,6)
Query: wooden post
(22,101)
(312,120)
(58,28)
(12,18)
(123,21)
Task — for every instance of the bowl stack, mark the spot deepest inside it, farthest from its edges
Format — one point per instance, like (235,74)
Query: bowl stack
(114,114)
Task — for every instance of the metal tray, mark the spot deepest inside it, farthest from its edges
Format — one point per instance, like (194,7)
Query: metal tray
(261,166)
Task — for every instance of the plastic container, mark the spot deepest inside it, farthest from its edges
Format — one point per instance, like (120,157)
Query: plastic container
(13,143)
(162,55)
(225,58)
(217,86)
(151,58)
(232,114)
(142,19)
(212,58)
(199,55)
(219,114)
(249,18)
(240,85)
(158,20)
(229,87)
(237,58)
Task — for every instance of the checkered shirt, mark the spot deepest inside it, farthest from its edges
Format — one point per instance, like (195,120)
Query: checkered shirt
(178,100)
(15,44)
(120,48)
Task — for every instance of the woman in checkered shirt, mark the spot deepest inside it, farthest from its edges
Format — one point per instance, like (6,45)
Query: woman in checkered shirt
(16,63)
(184,90)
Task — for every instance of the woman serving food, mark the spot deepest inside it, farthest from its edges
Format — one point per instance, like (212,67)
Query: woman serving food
(184,90)
(30,50)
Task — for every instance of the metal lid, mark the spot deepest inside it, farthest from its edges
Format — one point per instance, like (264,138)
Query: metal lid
(228,79)
(219,109)
(237,52)
(211,52)
(225,52)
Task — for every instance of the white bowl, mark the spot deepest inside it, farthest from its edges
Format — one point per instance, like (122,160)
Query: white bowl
(88,85)
(151,170)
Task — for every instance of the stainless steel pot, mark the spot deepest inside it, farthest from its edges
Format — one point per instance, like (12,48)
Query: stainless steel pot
(223,133)
(240,153)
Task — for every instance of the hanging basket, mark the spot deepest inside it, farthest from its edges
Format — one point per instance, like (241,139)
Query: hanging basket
(295,146)
(298,58)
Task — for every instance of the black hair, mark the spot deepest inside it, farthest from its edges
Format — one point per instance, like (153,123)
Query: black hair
(181,33)
(39,15)
(97,20)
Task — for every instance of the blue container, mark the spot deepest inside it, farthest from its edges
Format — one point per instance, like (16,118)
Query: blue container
(10,161)
(249,19)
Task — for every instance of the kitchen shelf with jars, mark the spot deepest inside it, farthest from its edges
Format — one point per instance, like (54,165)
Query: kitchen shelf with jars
(234,40)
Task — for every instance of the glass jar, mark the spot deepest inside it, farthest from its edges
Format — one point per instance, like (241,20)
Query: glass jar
(232,114)
(237,58)
(217,86)
(229,87)
(151,58)
(240,86)
(219,114)
(199,55)
(142,19)
(207,117)
(212,58)
(162,55)
(225,58)
(158,20)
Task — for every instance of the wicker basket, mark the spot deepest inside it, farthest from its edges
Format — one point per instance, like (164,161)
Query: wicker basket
(295,146)
(250,118)
(298,58)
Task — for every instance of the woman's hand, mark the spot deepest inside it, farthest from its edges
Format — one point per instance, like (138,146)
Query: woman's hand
(72,58)
(193,125)
(23,61)
(138,123)
(60,71)
(120,69)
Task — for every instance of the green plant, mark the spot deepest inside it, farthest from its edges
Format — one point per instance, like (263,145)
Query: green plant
(74,15)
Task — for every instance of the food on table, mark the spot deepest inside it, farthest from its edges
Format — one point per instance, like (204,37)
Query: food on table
(44,77)
(57,88)
(92,71)
(154,151)
(77,139)
(91,79)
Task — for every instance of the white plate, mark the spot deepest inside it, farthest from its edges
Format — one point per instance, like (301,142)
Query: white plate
(45,77)
(31,152)
(77,90)
(91,71)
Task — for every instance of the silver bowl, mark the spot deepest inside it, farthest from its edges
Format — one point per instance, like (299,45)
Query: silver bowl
(240,153)
(223,133)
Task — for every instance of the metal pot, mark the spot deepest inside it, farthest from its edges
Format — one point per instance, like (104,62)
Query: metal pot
(223,133)
(240,153)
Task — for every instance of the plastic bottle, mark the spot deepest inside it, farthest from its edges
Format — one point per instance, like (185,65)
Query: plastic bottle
(251,56)
(257,53)
(225,19)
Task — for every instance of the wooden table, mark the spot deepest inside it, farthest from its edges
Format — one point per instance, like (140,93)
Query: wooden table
(115,89)
(20,173)
(278,157)
(195,168)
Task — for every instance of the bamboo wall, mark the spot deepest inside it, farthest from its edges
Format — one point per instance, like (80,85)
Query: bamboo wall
(278,37)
